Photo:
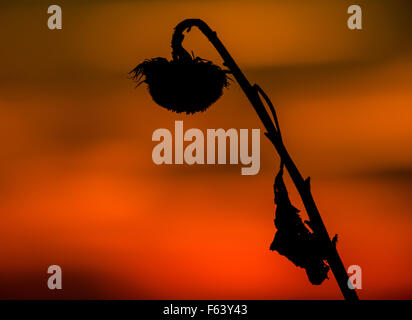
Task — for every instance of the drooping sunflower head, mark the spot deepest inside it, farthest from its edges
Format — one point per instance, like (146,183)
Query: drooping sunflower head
(182,85)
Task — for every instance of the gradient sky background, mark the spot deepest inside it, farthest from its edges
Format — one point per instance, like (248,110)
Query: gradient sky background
(78,187)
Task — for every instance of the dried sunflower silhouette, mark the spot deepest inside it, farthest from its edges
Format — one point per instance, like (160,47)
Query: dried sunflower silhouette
(189,84)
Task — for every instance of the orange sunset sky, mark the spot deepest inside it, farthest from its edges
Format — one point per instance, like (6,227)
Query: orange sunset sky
(78,187)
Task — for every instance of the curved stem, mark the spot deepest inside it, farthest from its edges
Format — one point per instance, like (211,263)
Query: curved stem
(302,185)
(271,107)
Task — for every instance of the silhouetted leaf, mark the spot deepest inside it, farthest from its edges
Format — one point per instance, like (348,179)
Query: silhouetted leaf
(293,238)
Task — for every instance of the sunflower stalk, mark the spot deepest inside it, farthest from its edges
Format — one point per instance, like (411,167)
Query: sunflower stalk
(273,133)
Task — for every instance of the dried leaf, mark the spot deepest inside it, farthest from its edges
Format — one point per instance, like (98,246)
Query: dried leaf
(293,238)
